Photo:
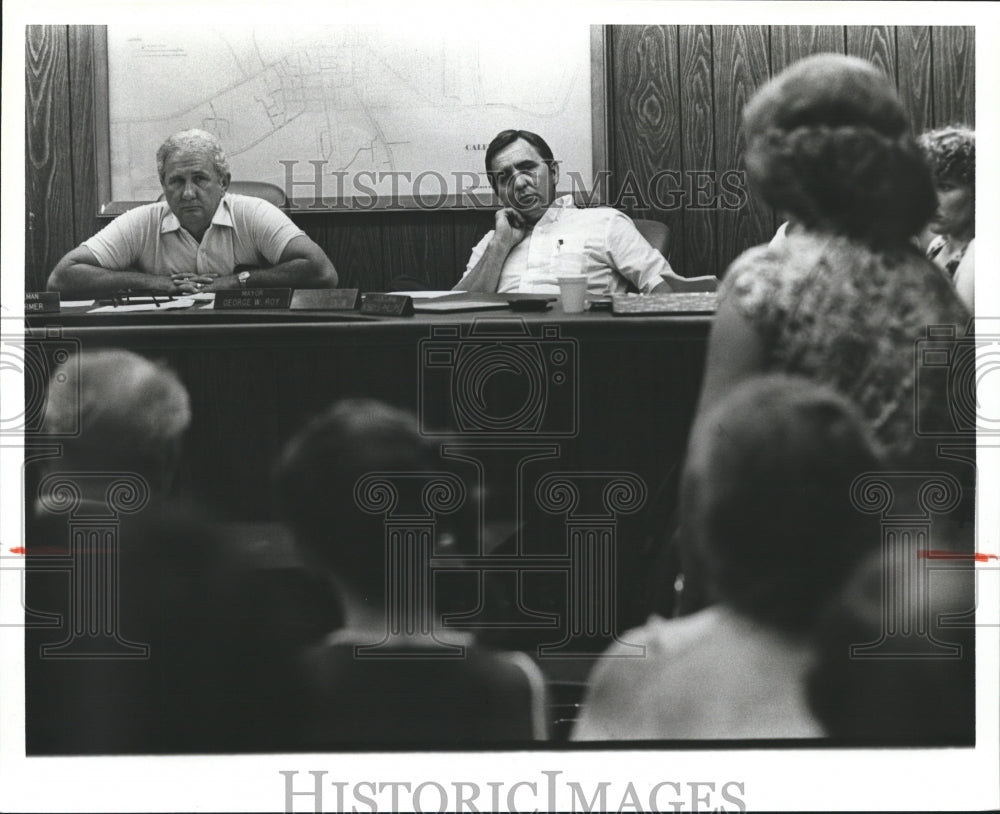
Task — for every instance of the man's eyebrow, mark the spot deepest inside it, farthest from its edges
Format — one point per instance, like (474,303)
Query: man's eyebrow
(525,164)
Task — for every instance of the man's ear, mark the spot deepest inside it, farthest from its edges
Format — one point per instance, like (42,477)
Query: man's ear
(554,172)
(226,179)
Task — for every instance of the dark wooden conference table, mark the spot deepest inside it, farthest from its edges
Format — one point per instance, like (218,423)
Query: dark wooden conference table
(603,402)
(613,393)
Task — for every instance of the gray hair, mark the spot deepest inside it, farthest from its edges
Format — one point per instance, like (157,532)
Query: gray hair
(118,402)
(194,141)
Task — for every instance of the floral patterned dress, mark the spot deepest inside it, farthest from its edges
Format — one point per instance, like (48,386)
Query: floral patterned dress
(840,313)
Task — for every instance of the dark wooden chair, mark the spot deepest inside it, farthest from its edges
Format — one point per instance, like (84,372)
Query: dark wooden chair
(271,193)
(656,233)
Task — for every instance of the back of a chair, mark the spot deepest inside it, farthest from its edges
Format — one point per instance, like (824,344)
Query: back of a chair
(271,193)
(656,233)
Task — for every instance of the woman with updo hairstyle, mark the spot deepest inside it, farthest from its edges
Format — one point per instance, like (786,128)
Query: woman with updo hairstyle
(845,298)
(829,143)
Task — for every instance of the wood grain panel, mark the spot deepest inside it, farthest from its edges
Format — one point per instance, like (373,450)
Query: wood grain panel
(419,246)
(877,44)
(646,110)
(790,43)
(83,138)
(954,54)
(697,145)
(48,173)
(915,84)
(352,241)
(740,58)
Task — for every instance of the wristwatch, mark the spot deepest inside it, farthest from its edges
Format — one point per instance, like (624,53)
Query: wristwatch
(243,277)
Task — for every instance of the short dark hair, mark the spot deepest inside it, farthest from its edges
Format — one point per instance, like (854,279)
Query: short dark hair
(318,470)
(766,498)
(507,137)
(829,142)
(951,153)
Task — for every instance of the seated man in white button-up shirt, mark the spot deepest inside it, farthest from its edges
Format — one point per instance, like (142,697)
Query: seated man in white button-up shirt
(535,227)
(198,239)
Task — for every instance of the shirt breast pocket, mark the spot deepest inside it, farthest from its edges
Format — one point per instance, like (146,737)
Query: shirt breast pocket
(573,244)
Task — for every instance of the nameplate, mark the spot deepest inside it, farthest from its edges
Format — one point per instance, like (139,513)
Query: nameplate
(41,302)
(253,298)
(325,299)
(387,305)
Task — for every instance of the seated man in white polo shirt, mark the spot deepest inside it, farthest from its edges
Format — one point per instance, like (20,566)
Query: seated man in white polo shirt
(535,227)
(198,239)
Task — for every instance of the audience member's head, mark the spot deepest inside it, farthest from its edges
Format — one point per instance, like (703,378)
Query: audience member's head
(911,692)
(317,475)
(829,142)
(119,412)
(766,499)
(951,155)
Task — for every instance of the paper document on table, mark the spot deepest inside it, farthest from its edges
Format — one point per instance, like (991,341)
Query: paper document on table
(423,295)
(76,303)
(460,305)
(164,305)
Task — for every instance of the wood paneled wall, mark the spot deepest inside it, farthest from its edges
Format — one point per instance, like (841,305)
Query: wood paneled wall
(49,204)
(679,92)
(675,98)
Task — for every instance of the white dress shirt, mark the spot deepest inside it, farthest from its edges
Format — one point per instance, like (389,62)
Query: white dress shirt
(613,252)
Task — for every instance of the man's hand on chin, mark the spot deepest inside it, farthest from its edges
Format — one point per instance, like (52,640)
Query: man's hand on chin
(510,227)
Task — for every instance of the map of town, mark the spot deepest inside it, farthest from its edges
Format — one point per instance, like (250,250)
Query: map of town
(352,112)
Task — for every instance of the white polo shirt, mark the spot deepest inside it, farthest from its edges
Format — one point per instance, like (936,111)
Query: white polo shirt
(614,252)
(150,239)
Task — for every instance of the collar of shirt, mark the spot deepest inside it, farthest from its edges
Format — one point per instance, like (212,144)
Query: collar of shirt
(222,217)
(556,209)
